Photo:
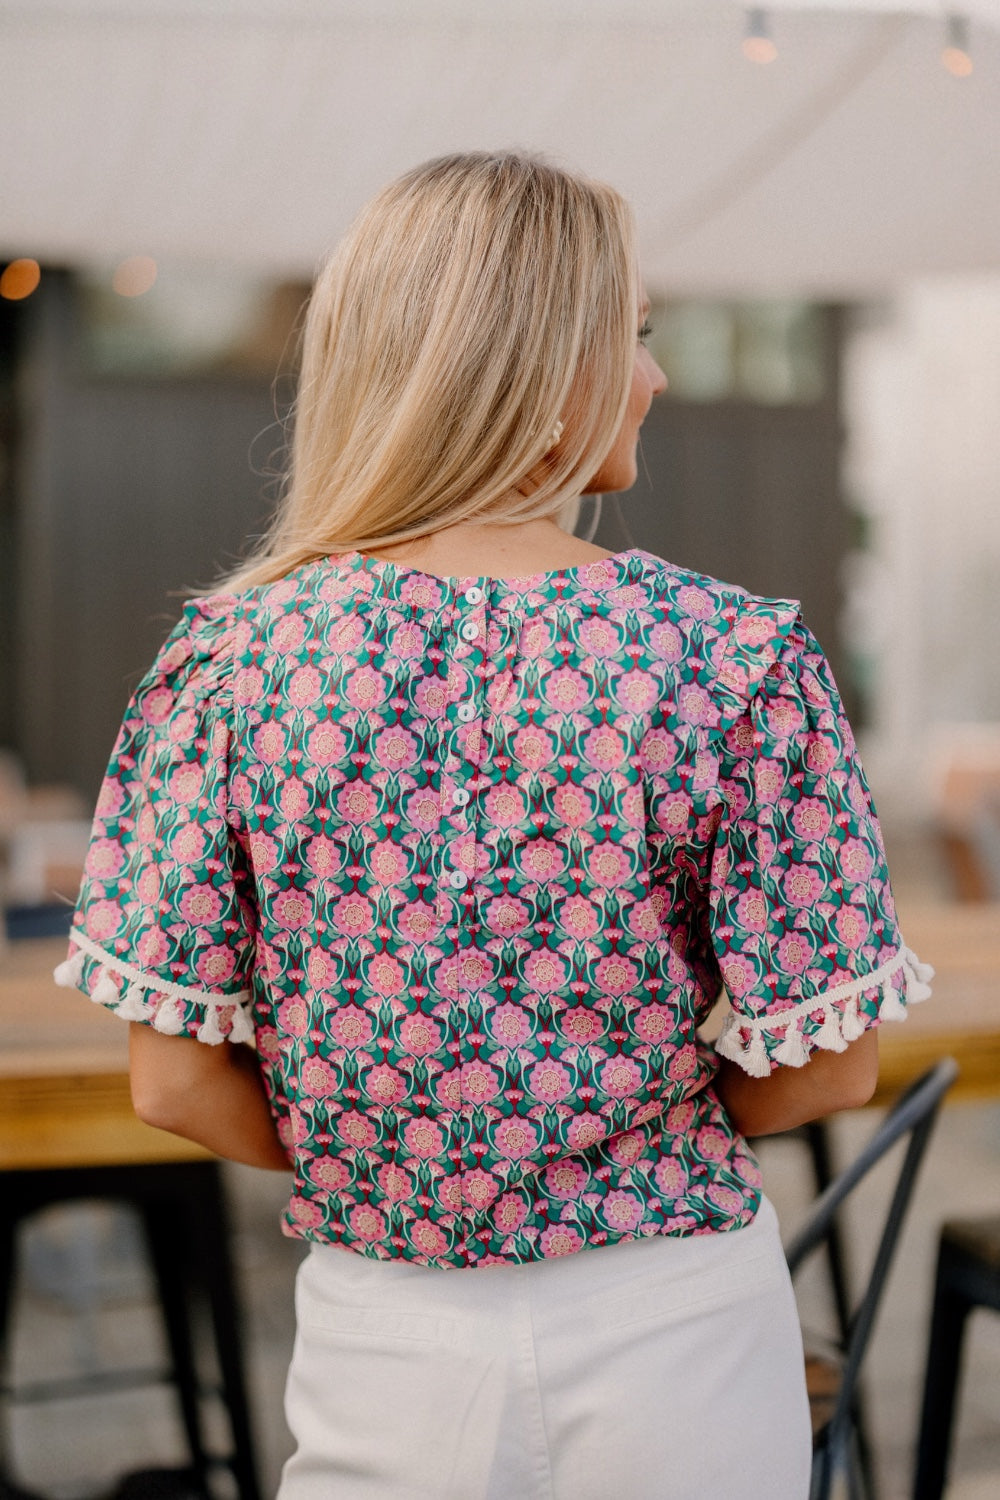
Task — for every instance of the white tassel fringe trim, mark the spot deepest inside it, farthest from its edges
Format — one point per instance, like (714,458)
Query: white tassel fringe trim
(133,1007)
(137,998)
(837,1029)
(69,974)
(105,991)
(242,1025)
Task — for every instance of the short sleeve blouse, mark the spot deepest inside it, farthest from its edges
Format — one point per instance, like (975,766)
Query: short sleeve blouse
(802,915)
(469,860)
(165,926)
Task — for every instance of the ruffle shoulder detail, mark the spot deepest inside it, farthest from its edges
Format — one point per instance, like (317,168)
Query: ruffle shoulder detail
(758,634)
(202,644)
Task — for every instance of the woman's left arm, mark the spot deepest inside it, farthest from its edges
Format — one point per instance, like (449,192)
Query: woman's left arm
(789,1097)
(800,909)
(212,1095)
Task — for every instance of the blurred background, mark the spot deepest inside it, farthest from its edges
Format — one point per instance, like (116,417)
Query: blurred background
(818,193)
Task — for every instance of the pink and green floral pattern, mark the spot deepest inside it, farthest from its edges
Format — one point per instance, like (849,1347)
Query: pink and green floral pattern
(470,860)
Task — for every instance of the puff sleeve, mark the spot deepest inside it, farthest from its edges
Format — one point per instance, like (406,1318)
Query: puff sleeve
(801,914)
(163,930)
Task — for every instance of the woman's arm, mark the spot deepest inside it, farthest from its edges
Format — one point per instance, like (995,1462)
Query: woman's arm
(791,1096)
(212,1095)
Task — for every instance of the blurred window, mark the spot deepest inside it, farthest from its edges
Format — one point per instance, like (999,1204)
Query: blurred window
(772,352)
(176,321)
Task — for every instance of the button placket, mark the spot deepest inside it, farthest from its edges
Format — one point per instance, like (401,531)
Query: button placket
(472,628)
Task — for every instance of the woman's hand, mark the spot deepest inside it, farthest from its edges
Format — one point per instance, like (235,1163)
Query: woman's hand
(791,1096)
(212,1095)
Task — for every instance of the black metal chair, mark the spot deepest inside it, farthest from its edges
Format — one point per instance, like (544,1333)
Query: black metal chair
(183,1212)
(816,1135)
(833,1373)
(968,1276)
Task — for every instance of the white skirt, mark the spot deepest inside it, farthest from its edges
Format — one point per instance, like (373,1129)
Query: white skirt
(657,1369)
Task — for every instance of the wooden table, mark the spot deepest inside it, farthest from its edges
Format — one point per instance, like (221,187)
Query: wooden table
(64,1090)
(962,1018)
(64,1093)
(65,1104)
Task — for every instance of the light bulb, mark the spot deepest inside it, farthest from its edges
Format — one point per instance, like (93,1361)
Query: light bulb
(757,44)
(955,55)
(134,276)
(20,279)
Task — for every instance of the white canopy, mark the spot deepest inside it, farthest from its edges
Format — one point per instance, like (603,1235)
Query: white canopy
(249,132)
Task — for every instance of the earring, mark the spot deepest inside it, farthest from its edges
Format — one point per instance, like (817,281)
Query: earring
(557,433)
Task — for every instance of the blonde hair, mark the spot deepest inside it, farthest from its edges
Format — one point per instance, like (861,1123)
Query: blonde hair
(475,303)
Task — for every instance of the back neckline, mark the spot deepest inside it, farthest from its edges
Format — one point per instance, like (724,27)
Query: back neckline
(601,574)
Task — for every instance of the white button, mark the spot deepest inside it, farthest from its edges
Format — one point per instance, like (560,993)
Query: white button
(470,630)
(466,711)
(458,878)
(474,596)
(460,796)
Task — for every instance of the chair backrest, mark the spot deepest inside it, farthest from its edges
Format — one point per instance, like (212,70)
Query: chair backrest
(912,1115)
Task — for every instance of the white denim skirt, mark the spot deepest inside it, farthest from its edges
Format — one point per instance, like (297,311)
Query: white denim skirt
(668,1368)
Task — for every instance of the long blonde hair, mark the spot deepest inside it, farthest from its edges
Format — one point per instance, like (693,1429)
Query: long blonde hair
(476,302)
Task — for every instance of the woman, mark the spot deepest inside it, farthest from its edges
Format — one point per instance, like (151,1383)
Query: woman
(465,821)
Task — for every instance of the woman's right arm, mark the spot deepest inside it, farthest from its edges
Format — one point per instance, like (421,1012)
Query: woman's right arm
(213,1095)
(788,1097)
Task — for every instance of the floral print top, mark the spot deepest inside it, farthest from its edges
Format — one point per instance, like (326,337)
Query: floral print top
(470,861)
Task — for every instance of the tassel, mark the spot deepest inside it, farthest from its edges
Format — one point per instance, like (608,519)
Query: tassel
(755,1059)
(752,1059)
(892,1007)
(851,1025)
(923,972)
(828,1036)
(209,1031)
(69,974)
(918,977)
(133,1007)
(243,1027)
(105,991)
(169,1017)
(791,1050)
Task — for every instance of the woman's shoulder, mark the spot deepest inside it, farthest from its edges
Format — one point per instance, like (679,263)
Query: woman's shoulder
(696,590)
(733,618)
(203,634)
(214,625)
(195,661)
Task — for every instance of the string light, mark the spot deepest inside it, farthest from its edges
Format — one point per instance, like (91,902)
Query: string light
(956,52)
(134,276)
(20,279)
(757,44)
